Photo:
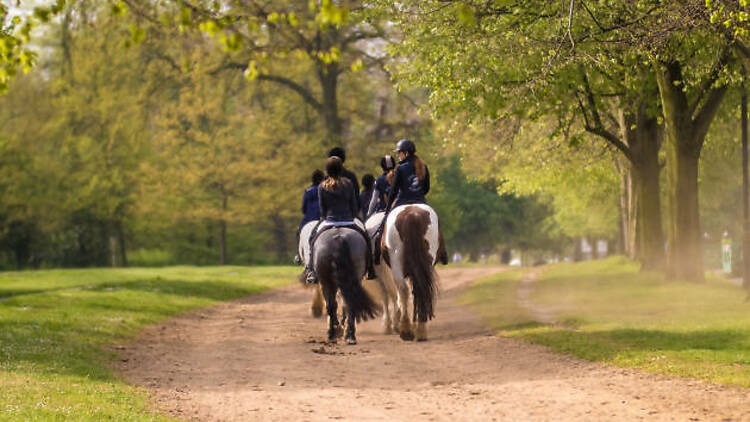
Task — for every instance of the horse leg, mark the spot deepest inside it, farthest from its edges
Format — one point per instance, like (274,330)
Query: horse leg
(351,329)
(344,314)
(404,325)
(317,303)
(333,318)
(380,270)
(421,330)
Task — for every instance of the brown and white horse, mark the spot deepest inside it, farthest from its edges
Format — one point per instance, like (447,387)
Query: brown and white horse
(411,247)
(384,280)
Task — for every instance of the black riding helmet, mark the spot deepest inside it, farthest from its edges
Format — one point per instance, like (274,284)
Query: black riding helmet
(338,152)
(387,163)
(406,146)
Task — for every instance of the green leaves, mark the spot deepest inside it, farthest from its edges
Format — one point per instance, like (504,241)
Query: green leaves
(465,14)
(252,71)
(329,13)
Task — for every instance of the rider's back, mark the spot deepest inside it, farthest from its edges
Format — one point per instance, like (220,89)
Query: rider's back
(337,200)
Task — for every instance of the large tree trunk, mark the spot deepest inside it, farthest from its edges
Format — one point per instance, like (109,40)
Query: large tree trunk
(646,172)
(685,259)
(642,134)
(745,195)
(328,75)
(121,244)
(686,123)
(223,234)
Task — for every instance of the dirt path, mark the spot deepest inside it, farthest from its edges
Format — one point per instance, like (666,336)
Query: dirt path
(253,360)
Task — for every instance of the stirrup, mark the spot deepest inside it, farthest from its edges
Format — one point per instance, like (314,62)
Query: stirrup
(311,278)
(371,275)
(297,260)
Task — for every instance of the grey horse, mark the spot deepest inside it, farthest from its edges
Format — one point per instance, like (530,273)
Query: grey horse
(339,261)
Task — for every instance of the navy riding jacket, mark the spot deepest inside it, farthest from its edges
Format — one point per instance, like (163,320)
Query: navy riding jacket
(364,200)
(353,178)
(310,207)
(382,187)
(338,204)
(407,188)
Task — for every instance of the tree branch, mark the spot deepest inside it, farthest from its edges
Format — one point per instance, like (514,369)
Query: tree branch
(708,83)
(303,92)
(704,117)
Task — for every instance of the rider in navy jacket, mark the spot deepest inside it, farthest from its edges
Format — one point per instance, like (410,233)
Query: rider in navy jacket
(339,152)
(368,186)
(411,180)
(379,201)
(310,208)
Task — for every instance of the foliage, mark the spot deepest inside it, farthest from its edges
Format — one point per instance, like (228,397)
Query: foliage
(480,219)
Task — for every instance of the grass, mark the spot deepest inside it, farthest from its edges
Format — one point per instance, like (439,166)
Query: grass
(55,326)
(616,315)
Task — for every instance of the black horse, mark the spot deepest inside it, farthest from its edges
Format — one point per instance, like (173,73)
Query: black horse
(339,261)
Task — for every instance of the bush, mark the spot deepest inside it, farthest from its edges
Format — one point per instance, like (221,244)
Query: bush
(151,258)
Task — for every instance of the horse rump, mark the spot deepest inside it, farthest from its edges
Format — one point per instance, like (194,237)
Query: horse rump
(412,224)
(358,302)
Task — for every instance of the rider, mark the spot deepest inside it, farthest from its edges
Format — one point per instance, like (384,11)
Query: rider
(310,208)
(379,199)
(338,207)
(339,152)
(368,183)
(411,181)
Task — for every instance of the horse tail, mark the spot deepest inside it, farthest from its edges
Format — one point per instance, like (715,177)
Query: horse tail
(358,302)
(412,226)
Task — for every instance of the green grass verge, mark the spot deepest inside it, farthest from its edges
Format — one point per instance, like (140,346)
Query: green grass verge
(55,326)
(619,316)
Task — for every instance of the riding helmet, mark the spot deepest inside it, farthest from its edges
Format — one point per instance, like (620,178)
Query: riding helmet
(405,145)
(338,152)
(387,163)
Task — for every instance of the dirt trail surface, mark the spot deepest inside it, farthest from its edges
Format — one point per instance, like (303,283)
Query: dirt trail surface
(255,359)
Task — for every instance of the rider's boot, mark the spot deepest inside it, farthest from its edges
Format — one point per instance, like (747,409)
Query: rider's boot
(371,275)
(376,254)
(311,277)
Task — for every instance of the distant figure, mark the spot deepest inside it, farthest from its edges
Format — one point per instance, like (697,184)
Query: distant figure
(368,183)
(310,208)
(457,257)
(339,152)
(379,200)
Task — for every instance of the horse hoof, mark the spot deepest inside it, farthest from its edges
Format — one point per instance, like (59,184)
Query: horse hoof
(351,341)
(387,330)
(422,339)
(339,332)
(405,336)
(316,312)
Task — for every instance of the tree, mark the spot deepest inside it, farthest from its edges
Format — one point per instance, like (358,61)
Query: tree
(333,38)
(504,58)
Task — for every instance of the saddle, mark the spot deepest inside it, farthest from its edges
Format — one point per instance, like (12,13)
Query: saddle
(323,226)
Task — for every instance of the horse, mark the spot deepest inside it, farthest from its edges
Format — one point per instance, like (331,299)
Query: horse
(339,261)
(303,251)
(411,247)
(385,279)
